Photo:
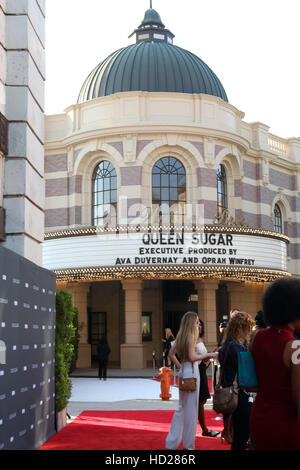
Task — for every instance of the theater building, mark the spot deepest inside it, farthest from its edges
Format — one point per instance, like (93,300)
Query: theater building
(160,199)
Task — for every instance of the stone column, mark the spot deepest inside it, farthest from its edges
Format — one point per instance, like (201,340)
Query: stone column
(24,60)
(79,293)
(235,291)
(132,352)
(207,310)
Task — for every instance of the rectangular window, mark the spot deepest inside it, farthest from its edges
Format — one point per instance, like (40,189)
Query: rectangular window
(159,36)
(143,36)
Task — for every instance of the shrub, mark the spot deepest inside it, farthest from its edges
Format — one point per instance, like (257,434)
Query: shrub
(75,340)
(65,337)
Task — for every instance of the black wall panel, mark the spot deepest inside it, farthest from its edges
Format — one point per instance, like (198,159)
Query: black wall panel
(27,347)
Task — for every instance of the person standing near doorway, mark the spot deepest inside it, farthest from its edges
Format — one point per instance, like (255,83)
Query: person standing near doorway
(103,351)
(167,345)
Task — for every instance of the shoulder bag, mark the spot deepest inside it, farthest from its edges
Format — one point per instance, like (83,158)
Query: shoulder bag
(247,378)
(225,399)
(188,384)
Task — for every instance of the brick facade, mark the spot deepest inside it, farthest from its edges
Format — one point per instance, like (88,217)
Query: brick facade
(63,186)
(62,217)
(282,179)
(131,175)
(207,177)
(256,179)
(55,163)
(140,145)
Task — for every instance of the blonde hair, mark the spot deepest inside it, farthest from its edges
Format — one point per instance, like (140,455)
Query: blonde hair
(168,332)
(188,329)
(242,321)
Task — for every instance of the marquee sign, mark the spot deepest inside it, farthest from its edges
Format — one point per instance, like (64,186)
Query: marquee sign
(166,251)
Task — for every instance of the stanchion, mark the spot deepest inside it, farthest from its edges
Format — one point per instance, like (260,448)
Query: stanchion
(174,374)
(215,366)
(218,366)
(212,363)
(153,364)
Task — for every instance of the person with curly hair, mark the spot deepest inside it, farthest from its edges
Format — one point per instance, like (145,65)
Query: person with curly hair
(238,333)
(275,417)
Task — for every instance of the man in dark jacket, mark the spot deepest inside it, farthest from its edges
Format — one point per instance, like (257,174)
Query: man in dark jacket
(103,353)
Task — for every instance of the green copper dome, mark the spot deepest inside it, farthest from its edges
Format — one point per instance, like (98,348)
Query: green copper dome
(153,64)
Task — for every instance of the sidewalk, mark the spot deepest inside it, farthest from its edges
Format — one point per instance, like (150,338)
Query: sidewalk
(115,373)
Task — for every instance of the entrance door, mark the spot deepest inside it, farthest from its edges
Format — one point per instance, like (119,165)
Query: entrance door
(97,329)
(178,297)
(172,320)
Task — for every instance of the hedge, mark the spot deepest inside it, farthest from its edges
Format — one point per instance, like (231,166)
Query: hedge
(66,347)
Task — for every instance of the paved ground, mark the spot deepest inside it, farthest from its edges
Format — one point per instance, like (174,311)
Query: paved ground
(116,373)
(123,390)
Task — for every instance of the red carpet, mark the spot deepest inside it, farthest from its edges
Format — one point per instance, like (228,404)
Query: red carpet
(127,430)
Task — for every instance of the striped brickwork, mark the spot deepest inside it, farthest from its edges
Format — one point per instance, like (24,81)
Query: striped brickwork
(252,190)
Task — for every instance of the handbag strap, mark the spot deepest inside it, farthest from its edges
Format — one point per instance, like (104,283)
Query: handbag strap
(192,368)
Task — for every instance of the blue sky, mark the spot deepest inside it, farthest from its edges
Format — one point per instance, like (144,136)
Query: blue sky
(252,46)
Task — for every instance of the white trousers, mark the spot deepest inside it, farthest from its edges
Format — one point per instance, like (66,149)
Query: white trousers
(184,423)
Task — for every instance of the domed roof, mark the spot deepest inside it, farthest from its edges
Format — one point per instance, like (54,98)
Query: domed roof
(153,64)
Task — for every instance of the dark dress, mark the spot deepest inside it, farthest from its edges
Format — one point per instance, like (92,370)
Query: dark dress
(204,390)
(168,346)
(274,421)
(103,351)
(241,416)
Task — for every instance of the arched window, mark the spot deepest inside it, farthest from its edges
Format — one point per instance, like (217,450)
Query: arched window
(222,200)
(277,219)
(169,189)
(104,194)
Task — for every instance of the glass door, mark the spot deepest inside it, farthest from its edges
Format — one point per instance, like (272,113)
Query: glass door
(97,329)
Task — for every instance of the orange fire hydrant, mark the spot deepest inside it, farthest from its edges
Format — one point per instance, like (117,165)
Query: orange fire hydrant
(165,373)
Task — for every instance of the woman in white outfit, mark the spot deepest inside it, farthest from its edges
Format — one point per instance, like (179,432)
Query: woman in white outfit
(184,423)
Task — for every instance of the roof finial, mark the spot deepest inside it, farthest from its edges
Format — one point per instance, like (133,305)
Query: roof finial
(150,3)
